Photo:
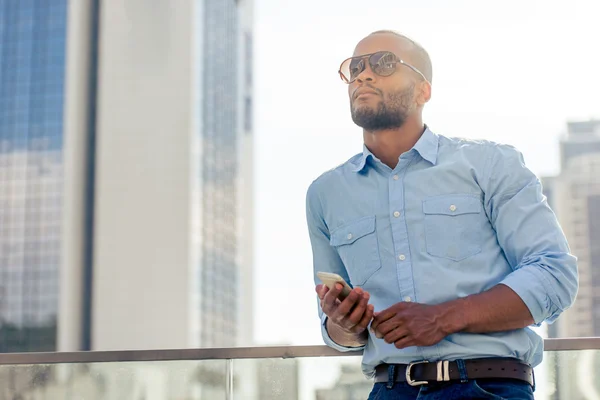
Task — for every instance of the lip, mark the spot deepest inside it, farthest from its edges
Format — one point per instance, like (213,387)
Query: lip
(360,93)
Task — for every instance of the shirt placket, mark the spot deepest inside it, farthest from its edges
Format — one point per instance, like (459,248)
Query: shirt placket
(400,231)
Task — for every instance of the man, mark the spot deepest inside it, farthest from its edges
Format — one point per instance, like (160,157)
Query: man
(449,245)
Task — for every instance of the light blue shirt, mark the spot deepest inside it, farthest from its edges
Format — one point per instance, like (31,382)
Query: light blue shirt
(454,218)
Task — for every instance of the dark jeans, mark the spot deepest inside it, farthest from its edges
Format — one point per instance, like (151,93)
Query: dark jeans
(496,389)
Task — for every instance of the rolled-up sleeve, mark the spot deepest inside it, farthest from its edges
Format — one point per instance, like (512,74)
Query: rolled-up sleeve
(325,257)
(544,270)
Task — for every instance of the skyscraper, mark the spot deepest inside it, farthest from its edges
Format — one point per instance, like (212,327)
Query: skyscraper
(32,81)
(575,196)
(125,174)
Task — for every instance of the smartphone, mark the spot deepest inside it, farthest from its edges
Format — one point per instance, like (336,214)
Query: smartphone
(330,279)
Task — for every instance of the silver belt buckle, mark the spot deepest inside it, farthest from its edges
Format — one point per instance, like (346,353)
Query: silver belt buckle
(443,372)
(409,380)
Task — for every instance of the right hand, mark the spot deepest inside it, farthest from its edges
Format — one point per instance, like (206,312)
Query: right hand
(353,314)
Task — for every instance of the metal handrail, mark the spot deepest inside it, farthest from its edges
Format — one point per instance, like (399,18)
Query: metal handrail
(591,343)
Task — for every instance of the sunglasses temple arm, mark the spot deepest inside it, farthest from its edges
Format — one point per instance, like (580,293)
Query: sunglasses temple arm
(416,70)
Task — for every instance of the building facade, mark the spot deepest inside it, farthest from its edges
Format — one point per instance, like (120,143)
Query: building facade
(32,99)
(126,176)
(575,197)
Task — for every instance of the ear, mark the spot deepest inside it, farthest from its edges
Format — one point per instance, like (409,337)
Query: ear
(424,94)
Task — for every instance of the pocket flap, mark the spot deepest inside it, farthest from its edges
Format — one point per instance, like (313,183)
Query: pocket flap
(352,231)
(452,205)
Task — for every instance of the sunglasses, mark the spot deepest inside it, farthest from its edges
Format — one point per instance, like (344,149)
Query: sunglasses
(382,63)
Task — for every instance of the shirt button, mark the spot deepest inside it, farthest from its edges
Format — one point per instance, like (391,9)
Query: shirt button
(402,257)
(396,214)
(452,207)
(407,299)
(349,236)
(395,177)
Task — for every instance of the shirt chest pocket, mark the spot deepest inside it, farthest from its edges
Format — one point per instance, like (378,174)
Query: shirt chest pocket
(356,243)
(452,226)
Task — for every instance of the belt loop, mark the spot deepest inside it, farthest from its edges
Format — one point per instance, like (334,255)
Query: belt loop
(391,376)
(462,370)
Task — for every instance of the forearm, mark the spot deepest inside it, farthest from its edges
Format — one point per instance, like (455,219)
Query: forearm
(345,338)
(495,310)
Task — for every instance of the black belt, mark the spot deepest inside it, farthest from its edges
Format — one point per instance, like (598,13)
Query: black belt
(424,372)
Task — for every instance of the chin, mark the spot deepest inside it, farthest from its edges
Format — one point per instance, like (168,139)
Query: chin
(362,107)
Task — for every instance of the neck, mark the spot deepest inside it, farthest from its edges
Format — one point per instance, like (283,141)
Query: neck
(389,144)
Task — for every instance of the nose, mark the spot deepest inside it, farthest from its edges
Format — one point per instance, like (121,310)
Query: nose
(366,74)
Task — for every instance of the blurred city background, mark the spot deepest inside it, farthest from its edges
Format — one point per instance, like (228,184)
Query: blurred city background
(154,159)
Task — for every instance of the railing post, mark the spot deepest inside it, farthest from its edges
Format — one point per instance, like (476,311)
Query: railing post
(229,379)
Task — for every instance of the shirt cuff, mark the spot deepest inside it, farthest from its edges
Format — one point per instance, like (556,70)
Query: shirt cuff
(527,284)
(329,342)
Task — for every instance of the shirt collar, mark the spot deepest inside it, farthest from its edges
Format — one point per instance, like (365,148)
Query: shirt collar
(426,146)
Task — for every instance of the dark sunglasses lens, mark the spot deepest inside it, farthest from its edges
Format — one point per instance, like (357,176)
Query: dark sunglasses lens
(357,65)
(352,67)
(383,63)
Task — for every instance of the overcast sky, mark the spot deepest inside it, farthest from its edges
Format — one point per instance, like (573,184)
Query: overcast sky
(514,73)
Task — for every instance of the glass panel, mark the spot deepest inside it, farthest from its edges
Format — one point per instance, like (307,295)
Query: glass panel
(562,375)
(573,374)
(193,380)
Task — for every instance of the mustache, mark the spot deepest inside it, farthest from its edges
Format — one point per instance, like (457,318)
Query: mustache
(373,89)
(365,86)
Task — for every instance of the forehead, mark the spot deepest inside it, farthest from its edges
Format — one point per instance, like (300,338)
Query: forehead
(383,42)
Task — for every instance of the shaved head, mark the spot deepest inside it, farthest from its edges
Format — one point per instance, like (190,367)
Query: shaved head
(383,101)
(413,53)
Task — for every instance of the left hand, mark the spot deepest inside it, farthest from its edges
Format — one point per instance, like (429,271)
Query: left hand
(409,324)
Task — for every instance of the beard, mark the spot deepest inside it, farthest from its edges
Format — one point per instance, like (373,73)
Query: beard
(390,113)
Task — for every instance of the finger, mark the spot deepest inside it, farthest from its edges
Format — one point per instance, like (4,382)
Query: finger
(332,294)
(405,342)
(367,317)
(328,302)
(386,314)
(378,320)
(388,326)
(395,335)
(349,302)
(321,290)
(331,304)
(328,309)
(358,291)
(358,311)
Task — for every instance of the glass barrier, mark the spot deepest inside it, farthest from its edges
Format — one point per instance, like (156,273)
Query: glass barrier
(261,373)
(564,375)
(206,379)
